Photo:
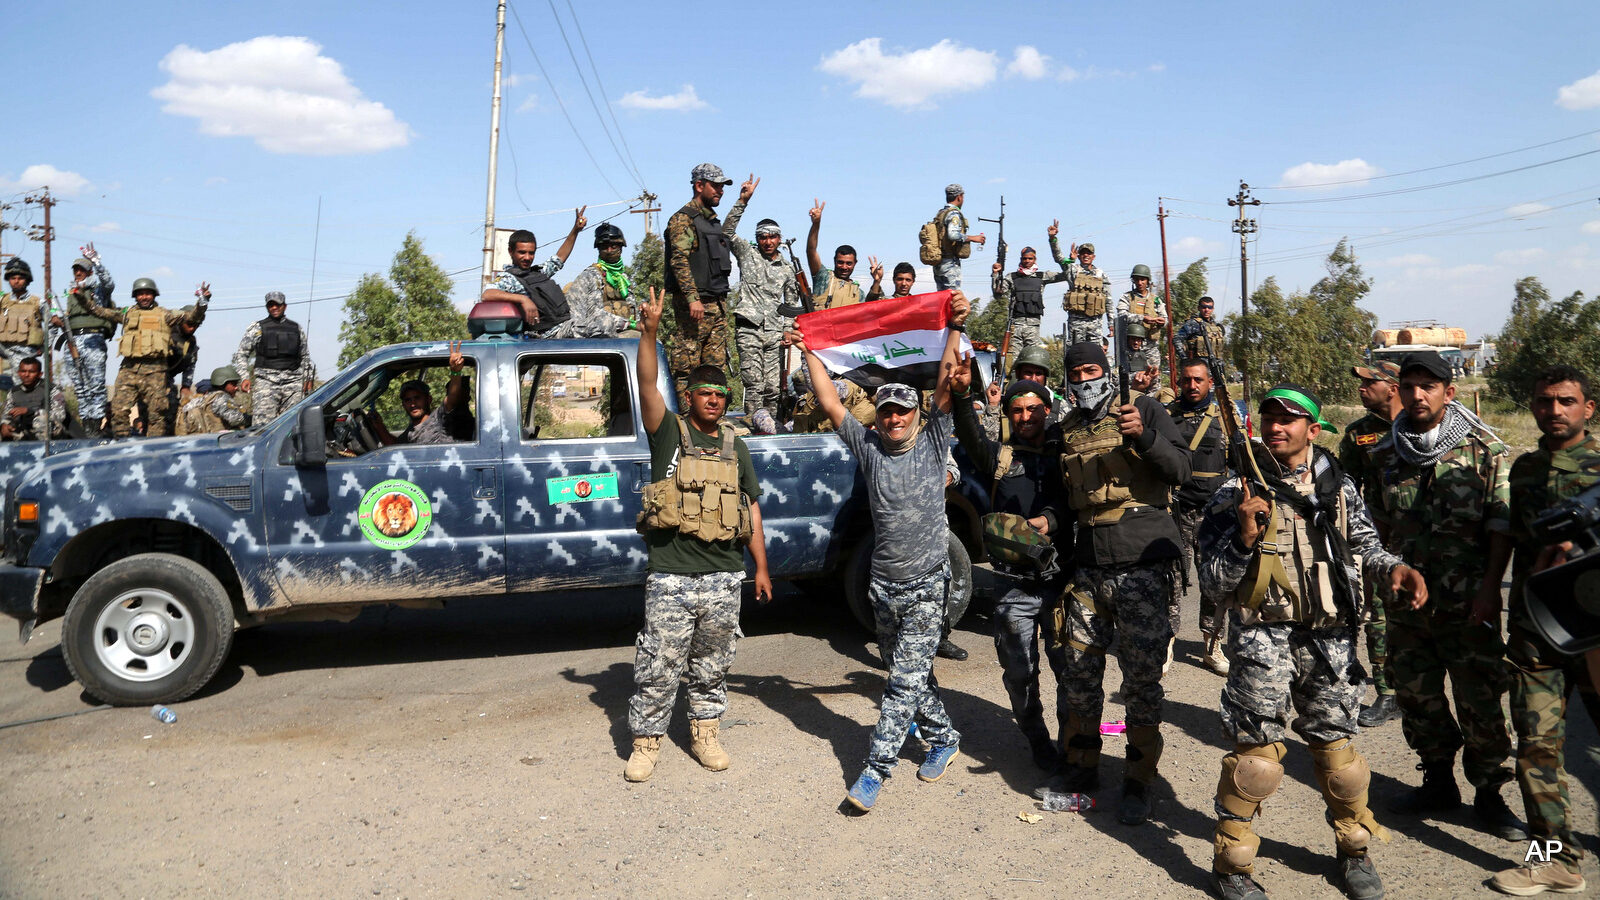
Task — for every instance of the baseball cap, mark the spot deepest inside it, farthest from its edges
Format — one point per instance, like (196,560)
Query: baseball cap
(1085,247)
(709,172)
(953,190)
(275,298)
(1428,361)
(895,394)
(1297,401)
(1380,371)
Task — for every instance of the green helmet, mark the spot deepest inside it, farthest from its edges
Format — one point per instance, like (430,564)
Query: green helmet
(222,375)
(1135,330)
(1140,271)
(145,284)
(1014,544)
(1032,355)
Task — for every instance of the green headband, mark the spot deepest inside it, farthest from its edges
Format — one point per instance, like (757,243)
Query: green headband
(719,388)
(1302,401)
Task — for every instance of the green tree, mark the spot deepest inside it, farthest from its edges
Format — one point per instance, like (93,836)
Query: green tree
(1541,333)
(1188,287)
(989,324)
(412,304)
(649,265)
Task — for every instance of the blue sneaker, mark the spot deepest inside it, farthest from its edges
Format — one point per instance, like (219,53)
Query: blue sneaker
(938,762)
(864,793)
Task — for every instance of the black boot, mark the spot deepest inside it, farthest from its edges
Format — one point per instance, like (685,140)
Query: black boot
(1045,754)
(949,650)
(1070,779)
(1237,887)
(1497,819)
(1135,803)
(1384,709)
(1359,877)
(1438,793)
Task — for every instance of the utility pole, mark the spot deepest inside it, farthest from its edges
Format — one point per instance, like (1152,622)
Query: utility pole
(4,208)
(46,234)
(494,144)
(1166,290)
(1244,228)
(647,199)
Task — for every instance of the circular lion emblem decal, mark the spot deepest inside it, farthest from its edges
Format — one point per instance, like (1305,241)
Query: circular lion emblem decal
(395,514)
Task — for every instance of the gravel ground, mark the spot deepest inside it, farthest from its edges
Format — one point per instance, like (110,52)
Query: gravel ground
(478,751)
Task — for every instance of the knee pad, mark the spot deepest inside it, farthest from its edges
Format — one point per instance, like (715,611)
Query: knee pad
(1249,777)
(1343,773)
(1234,845)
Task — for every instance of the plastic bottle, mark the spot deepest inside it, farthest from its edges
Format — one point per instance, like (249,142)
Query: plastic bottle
(1055,801)
(163,714)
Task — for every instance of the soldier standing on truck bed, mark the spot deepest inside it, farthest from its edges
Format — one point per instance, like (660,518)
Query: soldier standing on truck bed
(91,286)
(1088,291)
(544,305)
(696,517)
(699,261)
(954,242)
(145,346)
(21,316)
(903,464)
(1024,290)
(275,360)
(834,287)
(766,283)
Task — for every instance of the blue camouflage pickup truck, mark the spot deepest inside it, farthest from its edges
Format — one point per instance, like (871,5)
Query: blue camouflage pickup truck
(153,552)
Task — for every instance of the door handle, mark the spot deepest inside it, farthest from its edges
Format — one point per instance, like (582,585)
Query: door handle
(485,488)
(641,471)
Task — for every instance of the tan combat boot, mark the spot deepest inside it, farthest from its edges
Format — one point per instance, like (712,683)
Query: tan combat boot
(704,745)
(642,763)
(1215,659)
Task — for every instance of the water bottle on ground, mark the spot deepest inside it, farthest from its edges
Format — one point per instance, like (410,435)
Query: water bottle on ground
(1056,801)
(163,714)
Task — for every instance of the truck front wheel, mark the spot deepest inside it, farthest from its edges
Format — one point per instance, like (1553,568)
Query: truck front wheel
(152,628)
(859,572)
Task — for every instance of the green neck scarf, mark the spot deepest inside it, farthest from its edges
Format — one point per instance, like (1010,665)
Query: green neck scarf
(616,276)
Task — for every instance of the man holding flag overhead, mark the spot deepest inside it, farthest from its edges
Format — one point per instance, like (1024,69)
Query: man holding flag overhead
(915,344)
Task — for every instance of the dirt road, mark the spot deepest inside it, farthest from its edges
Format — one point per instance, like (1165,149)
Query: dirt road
(478,751)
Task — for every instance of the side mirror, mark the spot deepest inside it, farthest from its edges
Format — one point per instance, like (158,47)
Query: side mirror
(310,437)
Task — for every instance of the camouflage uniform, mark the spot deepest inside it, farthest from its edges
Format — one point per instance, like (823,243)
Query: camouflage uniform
(1154,342)
(1541,678)
(144,377)
(26,312)
(1082,329)
(30,425)
(1024,323)
(196,417)
(702,343)
(910,619)
(1439,522)
(89,336)
(275,390)
(1361,437)
(691,623)
(947,271)
(764,285)
(228,409)
(597,307)
(1202,339)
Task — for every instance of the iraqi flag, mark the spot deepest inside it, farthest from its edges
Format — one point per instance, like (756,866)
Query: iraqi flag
(889,340)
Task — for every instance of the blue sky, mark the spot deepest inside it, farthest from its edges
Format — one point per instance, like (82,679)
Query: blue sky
(192,141)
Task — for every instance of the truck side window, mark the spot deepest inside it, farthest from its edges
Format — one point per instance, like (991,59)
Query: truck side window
(574,397)
(410,402)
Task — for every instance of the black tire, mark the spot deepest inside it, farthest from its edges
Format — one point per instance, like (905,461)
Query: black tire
(152,628)
(859,571)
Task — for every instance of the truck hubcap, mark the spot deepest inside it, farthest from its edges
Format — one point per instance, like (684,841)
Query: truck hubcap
(144,635)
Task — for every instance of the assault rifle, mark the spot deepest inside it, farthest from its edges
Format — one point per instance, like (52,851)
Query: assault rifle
(786,397)
(1119,336)
(1005,342)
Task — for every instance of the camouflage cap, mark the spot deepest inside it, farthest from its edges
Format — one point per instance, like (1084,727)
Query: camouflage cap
(895,394)
(275,298)
(1380,371)
(83,263)
(953,190)
(1085,247)
(709,172)
(1013,544)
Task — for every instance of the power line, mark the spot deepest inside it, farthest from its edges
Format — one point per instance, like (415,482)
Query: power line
(603,95)
(592,105)
(559,102)
(1297,187)
(1429,187)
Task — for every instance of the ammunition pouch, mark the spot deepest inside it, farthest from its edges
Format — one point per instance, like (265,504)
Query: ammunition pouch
(145,334)
(702,499)
(1104,478)
(19,322)
(1087,297)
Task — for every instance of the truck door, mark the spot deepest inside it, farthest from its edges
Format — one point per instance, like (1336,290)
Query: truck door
(385,521)
(574,467)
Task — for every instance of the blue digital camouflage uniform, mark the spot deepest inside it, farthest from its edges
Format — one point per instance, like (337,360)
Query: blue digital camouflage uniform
(691,622)
(29,426)
(90,387)
(764,285)
(229,409)
(272,391)
(947,271)
(909,616)
(1542,679)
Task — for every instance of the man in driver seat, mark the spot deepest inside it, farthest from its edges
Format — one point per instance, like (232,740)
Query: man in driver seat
(427,425)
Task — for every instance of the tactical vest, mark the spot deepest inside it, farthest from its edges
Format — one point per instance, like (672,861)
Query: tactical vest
(547,299)
(1027,296)
(711,261)
(1146,306)
(197,417)
(1088,295)
(1104,478)
(279,345)
(614,301)
(19,321)
(78,317)
(702,498)
(946,248)
(1208,452)
(840,293)
(145,334)
(1207,343)
(184,351)
(1291,578)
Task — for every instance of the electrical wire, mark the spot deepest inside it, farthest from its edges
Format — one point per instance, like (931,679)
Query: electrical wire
(592,105)
(1298,187)
(559,102)
(603,95)
(1429,187)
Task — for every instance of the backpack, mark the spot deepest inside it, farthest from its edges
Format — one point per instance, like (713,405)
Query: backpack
(931,241)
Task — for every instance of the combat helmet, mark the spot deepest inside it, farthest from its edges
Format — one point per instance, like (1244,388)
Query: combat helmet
(145,284)
(606,233)
(1135,330)
(17,266)
(1013,544)
(1140,271)
(1032,355)
(221,375)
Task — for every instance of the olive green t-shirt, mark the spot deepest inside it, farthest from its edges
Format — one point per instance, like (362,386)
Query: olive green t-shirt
(673,552)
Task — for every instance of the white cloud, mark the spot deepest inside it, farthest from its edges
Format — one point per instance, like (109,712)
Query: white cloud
(280,91)
(1410,260)
(1156,68)
(215,181)
(1068,73)
(1028,63)
(1591,227)
(1581,94)
(160,272)
(60,181)
(1523,210)
(998,179)
(1355,171)
(683,101)
(1195,246)
(1520,257)
(529,105)
(911,79)
(105,227)
(513,79)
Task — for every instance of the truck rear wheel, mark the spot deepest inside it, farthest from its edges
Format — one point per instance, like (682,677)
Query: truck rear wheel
(152,628)
(859,572)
